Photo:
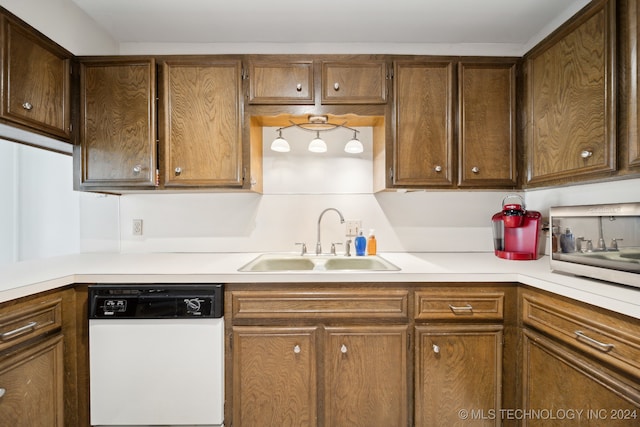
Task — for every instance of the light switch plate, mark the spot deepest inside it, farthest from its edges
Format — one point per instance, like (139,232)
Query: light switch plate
(352,227)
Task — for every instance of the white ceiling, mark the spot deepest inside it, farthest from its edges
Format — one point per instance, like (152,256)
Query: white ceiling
(327,21)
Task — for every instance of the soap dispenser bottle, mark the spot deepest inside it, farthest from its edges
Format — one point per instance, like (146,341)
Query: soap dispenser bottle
(371,243)
(360,244)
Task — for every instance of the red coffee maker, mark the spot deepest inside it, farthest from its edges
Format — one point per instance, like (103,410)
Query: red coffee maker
(516,231)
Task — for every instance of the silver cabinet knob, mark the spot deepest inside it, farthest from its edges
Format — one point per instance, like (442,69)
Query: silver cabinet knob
(299,87)
(475,169)
(436,349)
(336,86)
(297,349)
(585,154)
(343,349)
(178,170)
(137,169)
(438,168)
(27,106)
(2,392)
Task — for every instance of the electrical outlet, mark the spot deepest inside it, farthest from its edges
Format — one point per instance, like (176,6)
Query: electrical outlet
(137,227)
(352,227)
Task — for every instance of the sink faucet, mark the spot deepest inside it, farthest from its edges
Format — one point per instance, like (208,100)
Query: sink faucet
(318,245)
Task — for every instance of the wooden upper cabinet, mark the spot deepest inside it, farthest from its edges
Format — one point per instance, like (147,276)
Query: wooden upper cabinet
(628,84)
(487,119)
(570,100)
(36,81)
(281,82)
(201,122)
(118,122)
(423,123)
(354,82)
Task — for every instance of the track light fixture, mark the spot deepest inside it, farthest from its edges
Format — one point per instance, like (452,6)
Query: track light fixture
(317,124)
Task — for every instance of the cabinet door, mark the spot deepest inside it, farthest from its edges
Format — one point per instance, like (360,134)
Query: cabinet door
(274,377)
(201,123)
(629,89)
(555,379)
(118,122)
(366,376)
(423,121)
(487,117)
(458,368)
(354,82)
(281,82)
(36,84)
(32,381)
(571,101)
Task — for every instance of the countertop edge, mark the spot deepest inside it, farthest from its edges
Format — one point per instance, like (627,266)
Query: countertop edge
(39,276)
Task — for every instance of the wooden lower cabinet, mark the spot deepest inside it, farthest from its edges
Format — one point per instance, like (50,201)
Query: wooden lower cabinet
(563,388)
(275,376)
(458,375)
(279,375)
(32,381)
(365,376)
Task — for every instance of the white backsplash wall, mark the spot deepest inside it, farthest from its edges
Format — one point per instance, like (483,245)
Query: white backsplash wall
(414,221)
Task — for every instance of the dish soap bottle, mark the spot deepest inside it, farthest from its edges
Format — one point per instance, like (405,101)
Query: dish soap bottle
(371,243)
(360,244)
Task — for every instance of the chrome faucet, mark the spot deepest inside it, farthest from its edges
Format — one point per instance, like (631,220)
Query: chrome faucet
(318,245)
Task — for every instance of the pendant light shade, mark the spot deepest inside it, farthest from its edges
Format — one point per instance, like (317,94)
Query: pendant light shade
(317,145)
(280,144)
(354,146)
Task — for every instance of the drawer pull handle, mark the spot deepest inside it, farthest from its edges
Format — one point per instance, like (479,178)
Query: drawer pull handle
(594,343)
(27,106)
(18,331)
(299,87)
(467,309)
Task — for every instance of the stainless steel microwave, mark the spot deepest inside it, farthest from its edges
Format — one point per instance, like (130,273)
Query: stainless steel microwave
(598,241)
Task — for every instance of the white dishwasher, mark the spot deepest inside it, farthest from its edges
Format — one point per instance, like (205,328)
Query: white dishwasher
(156,355)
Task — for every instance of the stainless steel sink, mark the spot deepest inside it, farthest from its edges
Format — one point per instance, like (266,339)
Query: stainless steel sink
(287,262)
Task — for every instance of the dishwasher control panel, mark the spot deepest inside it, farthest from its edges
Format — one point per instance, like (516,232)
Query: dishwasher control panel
(131,301)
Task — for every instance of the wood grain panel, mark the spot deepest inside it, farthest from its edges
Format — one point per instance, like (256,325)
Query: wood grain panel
(380,304)
(620,343)
(36,72)
(118,131)
(423,121)
(571,102)
(487,117)
(443,304)
(357,82)
(274,377)
(457,368)
(629,85)
(284,82)
(33,383)
(44,315)
(359,361)
(556,379)
(202,123)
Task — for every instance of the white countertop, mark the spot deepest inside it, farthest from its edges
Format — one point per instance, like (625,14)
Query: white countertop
(27,278)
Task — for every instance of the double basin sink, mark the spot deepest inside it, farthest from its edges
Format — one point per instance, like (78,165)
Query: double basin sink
(272,262)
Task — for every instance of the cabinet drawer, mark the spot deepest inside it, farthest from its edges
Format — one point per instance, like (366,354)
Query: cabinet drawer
(23,322)
(463,304)
(608,338)
(388,304)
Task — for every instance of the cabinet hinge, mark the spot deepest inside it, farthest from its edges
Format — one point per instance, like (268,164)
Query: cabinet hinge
(244,73)
(230,342)
(391,174)
(70,127)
